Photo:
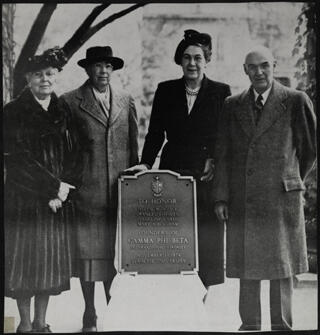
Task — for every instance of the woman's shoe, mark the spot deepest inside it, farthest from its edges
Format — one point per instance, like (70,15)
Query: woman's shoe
(45,329)
(89,323)
(22,331)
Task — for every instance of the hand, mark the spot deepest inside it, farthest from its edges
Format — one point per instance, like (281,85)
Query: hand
(221,210)
(208,170)
(55,204)
(137,168)
(64,191)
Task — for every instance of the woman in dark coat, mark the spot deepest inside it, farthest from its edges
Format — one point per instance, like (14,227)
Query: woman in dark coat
(185,112)
(38,248)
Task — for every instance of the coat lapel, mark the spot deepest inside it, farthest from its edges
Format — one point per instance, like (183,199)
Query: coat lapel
(180,100)
(244,113)
(90,105)
(201,97)
(117,104)
(47,122)
(272,109)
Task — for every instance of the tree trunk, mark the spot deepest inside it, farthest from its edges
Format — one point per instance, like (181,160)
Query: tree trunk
(31,45)
(82,34)
(8,11)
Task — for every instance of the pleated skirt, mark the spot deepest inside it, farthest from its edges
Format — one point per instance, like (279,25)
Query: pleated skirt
(38,247)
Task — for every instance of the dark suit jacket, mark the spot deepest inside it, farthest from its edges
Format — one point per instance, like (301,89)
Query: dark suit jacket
(191,138)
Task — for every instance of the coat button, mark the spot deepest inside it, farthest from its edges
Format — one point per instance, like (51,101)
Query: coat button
(249,172)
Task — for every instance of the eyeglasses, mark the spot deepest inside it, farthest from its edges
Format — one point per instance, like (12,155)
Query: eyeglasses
(255,67)
(196,58)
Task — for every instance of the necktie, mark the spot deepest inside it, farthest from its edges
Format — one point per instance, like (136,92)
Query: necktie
(105,104)
(258,106)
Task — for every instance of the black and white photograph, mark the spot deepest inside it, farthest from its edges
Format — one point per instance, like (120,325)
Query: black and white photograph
(159,167)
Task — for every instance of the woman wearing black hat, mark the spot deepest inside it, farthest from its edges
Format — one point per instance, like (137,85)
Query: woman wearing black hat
(185,112)
(37,216)
(104,128)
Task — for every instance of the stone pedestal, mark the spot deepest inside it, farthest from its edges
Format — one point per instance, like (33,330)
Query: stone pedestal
(157,287)
(157,303)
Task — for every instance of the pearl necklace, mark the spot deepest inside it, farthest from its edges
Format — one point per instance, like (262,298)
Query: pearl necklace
(191,91)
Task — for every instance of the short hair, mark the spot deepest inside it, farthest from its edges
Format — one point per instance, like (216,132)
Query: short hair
(259,49)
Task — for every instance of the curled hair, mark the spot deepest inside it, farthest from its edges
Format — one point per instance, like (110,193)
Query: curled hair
(193,37)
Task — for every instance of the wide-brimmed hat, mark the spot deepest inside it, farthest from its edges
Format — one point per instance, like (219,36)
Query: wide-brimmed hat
(98,54)
(53,57)
(191,37)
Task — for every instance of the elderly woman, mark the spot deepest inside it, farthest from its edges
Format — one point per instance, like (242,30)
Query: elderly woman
(37,222)
(104,130)
(185,111)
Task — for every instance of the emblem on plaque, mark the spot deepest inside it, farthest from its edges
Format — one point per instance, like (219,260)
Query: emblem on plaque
(157,187)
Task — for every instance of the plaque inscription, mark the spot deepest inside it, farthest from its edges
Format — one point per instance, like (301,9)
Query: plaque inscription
(157,223)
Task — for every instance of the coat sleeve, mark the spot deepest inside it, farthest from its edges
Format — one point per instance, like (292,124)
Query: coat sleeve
(220,190)
(211,145)
(156,133)
(304,134)
(73,161)
(22,167)
(133,133)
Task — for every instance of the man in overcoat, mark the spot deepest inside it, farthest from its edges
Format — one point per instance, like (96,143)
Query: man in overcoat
(266,148)
(103,132)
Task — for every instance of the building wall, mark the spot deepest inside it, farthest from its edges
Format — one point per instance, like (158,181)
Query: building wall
(233,27)
(147,38)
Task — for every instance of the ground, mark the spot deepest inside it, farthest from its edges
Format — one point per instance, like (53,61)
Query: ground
(65,311)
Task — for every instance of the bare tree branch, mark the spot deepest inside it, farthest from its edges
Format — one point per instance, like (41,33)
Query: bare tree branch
(31,44)
(70,48)
(116,16)
(82,35)
(80,32)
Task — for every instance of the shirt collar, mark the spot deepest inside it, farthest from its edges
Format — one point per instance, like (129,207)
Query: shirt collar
(265,95)
(98,95)
(44,103)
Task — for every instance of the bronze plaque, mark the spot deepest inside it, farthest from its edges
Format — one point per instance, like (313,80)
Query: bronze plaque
(157,223)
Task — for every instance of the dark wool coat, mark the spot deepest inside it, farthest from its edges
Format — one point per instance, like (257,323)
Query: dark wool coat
(190,141)
(260,173)
(103,147)
(38,248)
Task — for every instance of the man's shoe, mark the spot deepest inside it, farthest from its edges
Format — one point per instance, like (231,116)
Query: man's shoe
(45,329)
(280,327)
(89,323)
(22,331)
(92,329)
(244,328)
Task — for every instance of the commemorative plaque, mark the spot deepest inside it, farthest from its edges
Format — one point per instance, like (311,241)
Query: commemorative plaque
(157,223)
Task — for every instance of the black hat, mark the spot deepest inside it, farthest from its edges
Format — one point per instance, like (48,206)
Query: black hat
(191,37)
(98,54)
(54,57)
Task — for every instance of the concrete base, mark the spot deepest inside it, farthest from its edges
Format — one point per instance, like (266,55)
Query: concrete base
(306,280)
(161,302)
